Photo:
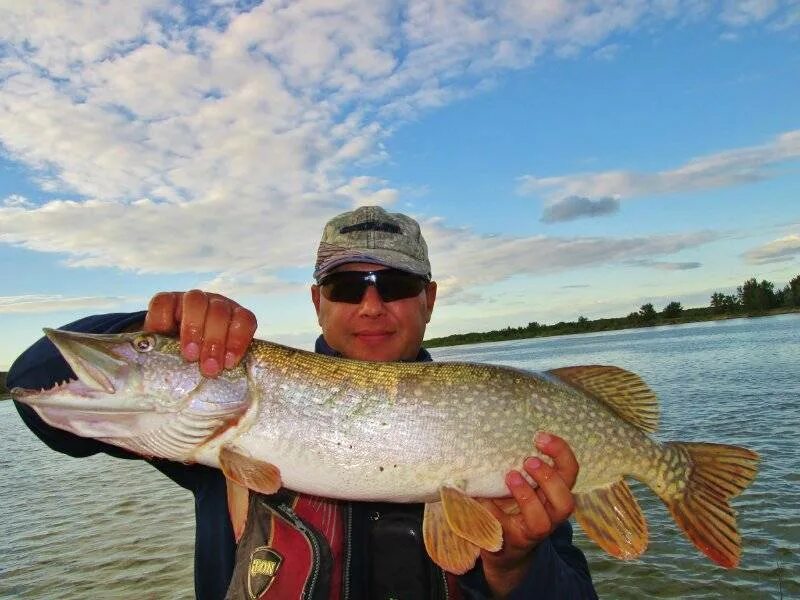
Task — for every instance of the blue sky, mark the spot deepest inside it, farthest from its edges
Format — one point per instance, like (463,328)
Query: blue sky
(564,158)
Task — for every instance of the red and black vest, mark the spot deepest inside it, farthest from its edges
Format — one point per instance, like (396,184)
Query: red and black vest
(304,547)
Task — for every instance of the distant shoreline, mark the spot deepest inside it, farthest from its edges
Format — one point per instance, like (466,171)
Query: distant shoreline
(689,315)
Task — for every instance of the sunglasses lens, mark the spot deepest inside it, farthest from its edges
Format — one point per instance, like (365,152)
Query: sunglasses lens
(344,286)
(396,285)
(349,286)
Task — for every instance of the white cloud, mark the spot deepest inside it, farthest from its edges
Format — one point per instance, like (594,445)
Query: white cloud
(724,169)
(744,12)
(252,281)
(473,260)
(56,303)
(783,249)
(17,201)
(219,142)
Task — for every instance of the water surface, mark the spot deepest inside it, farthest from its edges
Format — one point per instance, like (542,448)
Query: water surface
(99,527)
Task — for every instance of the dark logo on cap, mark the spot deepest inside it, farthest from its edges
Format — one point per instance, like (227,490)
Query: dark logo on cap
(264,563)
(372,226)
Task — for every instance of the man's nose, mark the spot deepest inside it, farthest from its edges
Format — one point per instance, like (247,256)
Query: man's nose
(371,302)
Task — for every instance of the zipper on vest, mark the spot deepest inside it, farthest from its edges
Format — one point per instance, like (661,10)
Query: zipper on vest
(445,589)
(348,549)
(289,514)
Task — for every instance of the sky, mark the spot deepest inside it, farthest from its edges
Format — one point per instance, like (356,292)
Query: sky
(563,158)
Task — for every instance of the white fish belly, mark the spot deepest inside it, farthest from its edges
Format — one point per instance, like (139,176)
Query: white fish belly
(402,453)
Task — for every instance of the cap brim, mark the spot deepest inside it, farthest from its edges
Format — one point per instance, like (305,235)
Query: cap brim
(383,257)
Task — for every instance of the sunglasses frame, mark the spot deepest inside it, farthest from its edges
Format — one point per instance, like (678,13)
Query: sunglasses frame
(370,278)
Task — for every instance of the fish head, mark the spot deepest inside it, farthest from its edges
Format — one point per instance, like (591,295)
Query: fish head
(136,391)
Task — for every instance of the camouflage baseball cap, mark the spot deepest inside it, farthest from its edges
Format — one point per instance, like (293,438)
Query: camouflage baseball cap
(370,234)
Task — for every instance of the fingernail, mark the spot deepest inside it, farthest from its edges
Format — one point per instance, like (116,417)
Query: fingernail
(211,366)
(192,351)
(542,438)
(515,479)
(230,360)
(533,463)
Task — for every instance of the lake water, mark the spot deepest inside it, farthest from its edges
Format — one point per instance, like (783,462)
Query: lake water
(100,527)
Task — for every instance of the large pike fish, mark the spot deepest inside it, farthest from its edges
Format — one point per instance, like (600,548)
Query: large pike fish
(438,433)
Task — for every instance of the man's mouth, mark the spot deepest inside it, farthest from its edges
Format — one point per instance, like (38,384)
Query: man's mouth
(368,336)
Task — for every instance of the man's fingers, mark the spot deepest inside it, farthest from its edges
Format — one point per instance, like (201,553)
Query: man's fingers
(213,329)
(240,334)
(193,320)
(163,313)
(534,515)
(559,500)
(563,458)
(215,334)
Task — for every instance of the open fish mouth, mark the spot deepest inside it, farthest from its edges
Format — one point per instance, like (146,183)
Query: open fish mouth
(100,368)
(91,358)
(70,386)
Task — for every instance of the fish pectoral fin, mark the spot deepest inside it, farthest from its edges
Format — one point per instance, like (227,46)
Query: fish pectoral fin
(622,391)
(238,505)
(446,548)
(613,519)
(249,472)
(471,520)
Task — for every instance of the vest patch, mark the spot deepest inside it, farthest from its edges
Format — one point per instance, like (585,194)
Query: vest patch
(264,564)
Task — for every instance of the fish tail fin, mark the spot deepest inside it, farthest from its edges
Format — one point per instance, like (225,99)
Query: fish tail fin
(716,473)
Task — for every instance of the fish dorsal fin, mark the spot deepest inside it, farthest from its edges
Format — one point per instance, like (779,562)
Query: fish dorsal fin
(612,518)
(622,391)
(447,549)
(471,520)
(249,472)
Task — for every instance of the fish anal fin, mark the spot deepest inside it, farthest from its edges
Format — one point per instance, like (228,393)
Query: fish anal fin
(238,504)
(613,519)
(446,548)
(249,472)
(471,520)
(717,473)
(622,391)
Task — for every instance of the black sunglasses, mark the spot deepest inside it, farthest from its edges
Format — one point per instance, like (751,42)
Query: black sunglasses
(391,284)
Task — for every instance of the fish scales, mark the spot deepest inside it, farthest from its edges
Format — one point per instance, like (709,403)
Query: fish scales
(462,423)
(438,433)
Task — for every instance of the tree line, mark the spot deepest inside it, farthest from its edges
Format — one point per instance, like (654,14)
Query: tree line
(752,298)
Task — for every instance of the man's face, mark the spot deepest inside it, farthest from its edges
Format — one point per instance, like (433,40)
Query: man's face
(373,329)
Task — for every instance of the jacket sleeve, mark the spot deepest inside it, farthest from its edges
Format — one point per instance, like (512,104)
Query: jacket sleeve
(559,571)
(42,366)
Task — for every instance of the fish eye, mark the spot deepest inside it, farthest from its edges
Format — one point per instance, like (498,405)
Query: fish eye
(144,343)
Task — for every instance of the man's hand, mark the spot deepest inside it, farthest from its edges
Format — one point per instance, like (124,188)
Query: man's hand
(532,514)
(213,329)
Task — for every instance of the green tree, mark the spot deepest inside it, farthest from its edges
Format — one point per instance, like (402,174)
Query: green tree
(583,322)
(718,302)
(647,313)
(756,296)
(724,303)
(792,296)
(672,310)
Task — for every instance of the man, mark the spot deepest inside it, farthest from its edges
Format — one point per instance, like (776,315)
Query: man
(373,297)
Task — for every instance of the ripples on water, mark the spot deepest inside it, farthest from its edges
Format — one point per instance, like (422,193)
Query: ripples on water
(100,527)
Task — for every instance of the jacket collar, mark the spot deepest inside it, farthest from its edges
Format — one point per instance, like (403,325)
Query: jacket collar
(322,347)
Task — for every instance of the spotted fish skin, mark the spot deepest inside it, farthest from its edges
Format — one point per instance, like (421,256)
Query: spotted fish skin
(438,433)
(396,431)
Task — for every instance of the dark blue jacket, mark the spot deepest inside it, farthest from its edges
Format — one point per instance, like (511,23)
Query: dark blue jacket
(559,570)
